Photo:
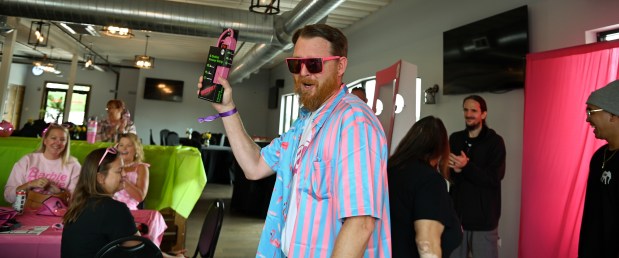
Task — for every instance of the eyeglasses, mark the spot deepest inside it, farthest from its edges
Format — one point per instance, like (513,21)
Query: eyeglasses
(110,150)
(313,64)
(589,111)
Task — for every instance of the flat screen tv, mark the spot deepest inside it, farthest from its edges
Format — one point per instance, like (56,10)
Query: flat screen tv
(487,55)
(163,89)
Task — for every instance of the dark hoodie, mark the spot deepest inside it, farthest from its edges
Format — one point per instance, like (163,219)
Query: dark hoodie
(476,190)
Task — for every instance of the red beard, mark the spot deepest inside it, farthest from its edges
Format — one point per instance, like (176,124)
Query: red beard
(321,93)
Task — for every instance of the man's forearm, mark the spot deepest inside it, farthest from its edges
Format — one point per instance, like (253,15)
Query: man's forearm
(354,236)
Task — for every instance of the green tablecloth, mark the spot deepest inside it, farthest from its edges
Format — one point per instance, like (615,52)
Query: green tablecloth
(177,175)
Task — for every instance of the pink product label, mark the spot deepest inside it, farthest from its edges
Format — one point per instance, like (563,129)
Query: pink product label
(207,90)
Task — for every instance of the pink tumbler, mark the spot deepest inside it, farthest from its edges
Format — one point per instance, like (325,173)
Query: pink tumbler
(91,132)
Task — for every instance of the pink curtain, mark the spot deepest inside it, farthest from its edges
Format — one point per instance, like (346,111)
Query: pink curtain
(558,144)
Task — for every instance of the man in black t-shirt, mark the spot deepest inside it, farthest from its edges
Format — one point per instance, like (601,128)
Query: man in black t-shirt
(599,231)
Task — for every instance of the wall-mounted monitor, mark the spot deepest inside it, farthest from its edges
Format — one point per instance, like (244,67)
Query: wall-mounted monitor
(487,55)
(163,89)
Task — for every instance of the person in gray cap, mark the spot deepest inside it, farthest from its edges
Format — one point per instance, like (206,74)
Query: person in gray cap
(599,232)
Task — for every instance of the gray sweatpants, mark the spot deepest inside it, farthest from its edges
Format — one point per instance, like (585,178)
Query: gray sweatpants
(478,244)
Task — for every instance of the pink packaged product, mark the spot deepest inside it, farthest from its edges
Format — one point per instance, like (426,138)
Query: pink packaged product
(218,65)
(53,206)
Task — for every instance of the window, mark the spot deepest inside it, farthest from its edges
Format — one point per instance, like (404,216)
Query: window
(368,83)
(608,35)
(289,112)
(54,102)
(290,102)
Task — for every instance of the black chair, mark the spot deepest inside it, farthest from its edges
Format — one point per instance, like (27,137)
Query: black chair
(172,139)
(145,248)
(163,134)
(197,136)
(34,129)
(152,141)
(215,139)
(210,230)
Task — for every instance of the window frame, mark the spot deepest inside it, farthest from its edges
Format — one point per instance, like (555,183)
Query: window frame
(601,36)
(47,90)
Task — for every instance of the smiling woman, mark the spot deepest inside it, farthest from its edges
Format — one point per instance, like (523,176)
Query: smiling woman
(103,175)
(49,170)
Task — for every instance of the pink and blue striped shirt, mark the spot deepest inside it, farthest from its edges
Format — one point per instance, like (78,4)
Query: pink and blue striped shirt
(343,173)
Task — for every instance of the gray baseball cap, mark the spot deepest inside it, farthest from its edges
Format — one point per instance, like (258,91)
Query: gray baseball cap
(606,98)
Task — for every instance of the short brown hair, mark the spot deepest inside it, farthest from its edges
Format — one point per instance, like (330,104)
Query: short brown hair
(339,43)
(117,103)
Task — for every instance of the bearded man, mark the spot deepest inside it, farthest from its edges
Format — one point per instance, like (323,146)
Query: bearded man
(330,198)
(477,163)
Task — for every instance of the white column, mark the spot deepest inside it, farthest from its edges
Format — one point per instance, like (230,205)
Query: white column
(71,82)
(5,69)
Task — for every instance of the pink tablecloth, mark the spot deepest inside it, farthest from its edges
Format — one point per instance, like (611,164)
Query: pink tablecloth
(47,244)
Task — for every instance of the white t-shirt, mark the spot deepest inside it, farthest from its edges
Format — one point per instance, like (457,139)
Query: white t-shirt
(291,218)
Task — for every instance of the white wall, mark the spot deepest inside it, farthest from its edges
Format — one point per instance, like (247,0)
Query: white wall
(16,76)
(250,97)
(102,88)
(413,30)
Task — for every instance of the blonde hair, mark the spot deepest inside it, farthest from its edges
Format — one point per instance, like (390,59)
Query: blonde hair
(66,153)
(139,149)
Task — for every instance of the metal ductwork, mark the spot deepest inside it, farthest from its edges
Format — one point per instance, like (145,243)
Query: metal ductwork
(151,15)
(272,34)
(306,12)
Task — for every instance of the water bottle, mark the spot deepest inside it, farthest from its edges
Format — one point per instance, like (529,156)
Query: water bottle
(91,132)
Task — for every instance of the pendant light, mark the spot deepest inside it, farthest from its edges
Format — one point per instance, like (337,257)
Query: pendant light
(144,61)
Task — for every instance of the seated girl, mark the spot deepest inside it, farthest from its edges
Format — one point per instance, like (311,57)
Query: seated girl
(94,218)
(136,183)
(49,170)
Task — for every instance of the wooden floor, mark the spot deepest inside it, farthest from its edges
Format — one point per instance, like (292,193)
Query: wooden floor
(239,234)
